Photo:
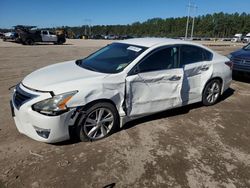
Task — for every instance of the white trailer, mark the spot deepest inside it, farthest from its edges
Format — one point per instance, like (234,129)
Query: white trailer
(237,38)
(247,38)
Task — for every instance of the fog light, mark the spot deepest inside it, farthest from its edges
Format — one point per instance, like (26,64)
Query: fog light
(42,132)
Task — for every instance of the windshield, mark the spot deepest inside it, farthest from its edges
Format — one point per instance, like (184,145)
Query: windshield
(247,47)
(112,58)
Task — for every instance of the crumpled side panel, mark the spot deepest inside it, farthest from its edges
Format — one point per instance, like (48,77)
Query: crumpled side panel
(153,92)
(112,90)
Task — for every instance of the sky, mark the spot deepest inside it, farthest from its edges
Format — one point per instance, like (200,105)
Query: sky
(53,13)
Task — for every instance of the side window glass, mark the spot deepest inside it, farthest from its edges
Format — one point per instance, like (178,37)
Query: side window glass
(191,54)
(160,60)
(44,32)
(208,55)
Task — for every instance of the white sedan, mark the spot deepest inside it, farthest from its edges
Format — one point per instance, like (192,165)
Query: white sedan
(122,81)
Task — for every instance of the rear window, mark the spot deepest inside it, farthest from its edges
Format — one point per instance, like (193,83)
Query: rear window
(193,54)
(208,56)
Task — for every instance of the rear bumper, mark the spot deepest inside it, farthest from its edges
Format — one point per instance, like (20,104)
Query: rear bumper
(226,85)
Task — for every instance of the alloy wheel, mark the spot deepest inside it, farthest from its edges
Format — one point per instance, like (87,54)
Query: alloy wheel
(213,92)
(98,123)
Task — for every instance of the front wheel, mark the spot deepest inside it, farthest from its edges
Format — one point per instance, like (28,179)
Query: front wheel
(211,93)
(29,42)
(59,42)
(99,121)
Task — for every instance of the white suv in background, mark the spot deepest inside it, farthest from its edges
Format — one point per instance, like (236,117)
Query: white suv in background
(125,80)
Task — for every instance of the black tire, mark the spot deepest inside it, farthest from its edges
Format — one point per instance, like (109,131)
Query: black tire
(211,96)
(83,127)
(29,42)
(59,42)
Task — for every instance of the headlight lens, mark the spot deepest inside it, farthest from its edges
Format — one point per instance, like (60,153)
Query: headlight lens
(54,105)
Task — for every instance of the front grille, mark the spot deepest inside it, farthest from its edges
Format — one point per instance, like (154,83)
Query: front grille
(20,97)
(240,61)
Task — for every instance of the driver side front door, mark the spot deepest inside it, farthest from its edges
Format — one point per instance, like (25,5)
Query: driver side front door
(155,83)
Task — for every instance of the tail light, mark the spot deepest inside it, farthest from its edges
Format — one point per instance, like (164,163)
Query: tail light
(230,64)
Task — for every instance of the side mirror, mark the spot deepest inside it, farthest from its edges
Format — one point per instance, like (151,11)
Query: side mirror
(134,71)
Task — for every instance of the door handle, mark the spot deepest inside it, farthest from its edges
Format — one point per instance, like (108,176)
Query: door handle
(175,78)
(204,68)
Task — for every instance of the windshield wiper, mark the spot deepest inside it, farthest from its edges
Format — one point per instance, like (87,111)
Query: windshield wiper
(89,68)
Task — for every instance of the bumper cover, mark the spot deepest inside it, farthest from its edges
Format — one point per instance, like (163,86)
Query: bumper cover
(27,121)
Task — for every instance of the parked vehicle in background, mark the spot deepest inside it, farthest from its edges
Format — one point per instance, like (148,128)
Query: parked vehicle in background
(1,35)
(247,38)
(10,36)
(241,59)
(125,80)
(27,35)
(111,37)
(97,37)
(237,38)
(196,39)
(123,37)
(226,39)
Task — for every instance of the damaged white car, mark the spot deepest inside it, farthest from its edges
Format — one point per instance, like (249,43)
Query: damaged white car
(120,82)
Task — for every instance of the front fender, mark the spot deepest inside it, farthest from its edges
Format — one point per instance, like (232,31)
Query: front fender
(105,91)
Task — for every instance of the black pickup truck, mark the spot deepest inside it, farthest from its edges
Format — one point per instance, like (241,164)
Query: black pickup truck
(27,35)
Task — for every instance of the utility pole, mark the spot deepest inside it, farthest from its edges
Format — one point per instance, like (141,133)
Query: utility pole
(193,7)
(186,34)
(90,25)
(87,23)
(192,31)
(85,30)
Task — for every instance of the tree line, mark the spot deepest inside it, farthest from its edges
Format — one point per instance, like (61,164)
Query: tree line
(218,25)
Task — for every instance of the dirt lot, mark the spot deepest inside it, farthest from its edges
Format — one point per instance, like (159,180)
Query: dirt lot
(194,146)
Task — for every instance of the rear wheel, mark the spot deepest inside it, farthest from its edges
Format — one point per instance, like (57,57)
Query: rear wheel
(211,92)
(99,121)
(29,41)
(59,42)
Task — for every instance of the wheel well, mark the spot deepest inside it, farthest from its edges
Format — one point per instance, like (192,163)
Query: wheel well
(28,38)
(217,78)
(73,129)
(214,78)
(99,101)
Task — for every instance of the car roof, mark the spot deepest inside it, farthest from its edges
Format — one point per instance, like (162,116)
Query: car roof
(149,42)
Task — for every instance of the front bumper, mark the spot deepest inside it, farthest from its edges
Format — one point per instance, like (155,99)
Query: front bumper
(29,121)
(242,65)
(241,68)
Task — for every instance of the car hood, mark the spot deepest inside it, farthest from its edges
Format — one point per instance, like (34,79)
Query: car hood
(56,77)
(242,54)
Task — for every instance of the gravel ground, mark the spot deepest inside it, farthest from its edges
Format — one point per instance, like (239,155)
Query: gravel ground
(193,146)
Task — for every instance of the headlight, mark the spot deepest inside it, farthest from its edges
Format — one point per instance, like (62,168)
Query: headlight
(55,105)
